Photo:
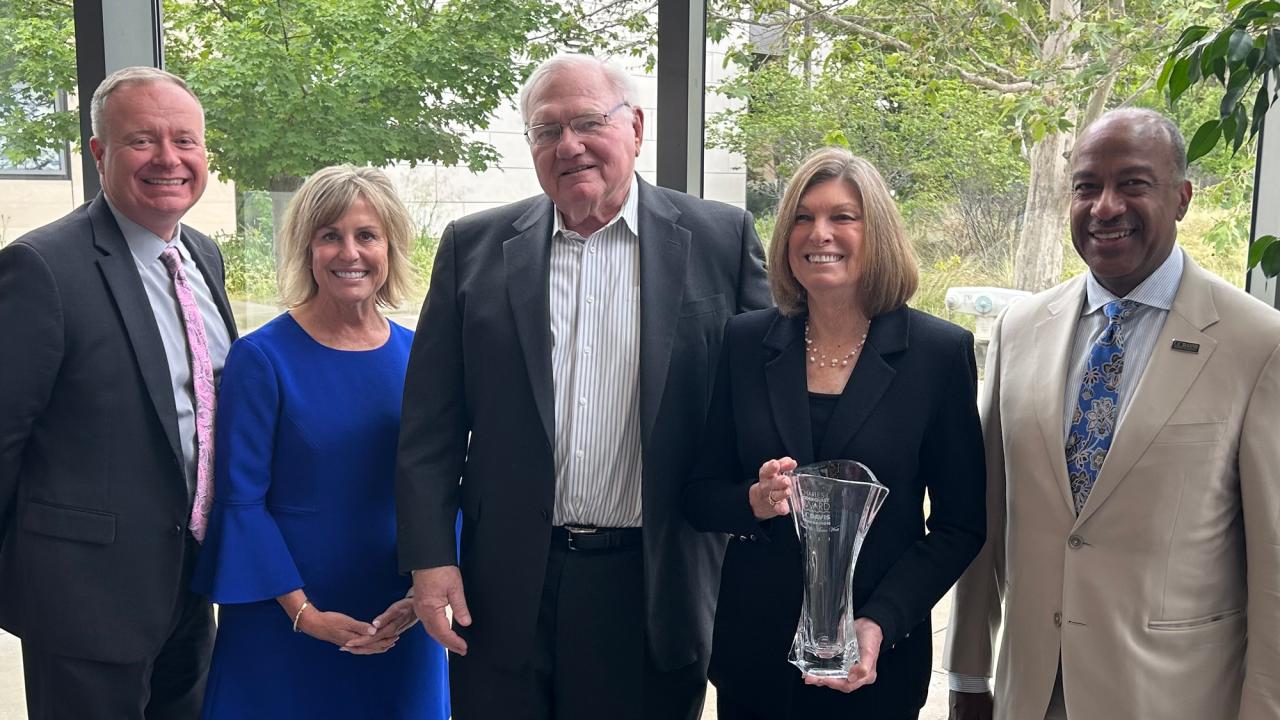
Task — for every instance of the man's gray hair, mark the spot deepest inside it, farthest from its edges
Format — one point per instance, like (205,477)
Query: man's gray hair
(1139,116)
(141,75)
(619,79)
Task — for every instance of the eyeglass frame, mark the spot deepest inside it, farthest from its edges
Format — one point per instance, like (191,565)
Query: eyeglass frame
(606,116)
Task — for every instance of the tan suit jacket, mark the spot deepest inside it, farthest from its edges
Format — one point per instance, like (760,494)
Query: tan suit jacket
(1163,597)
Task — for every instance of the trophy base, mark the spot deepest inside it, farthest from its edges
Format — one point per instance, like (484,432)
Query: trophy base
(832,666)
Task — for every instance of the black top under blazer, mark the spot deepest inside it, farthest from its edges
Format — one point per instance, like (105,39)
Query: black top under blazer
(909,413)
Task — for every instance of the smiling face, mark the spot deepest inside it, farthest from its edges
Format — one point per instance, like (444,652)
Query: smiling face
(586,176)
(824,248)
(349,257)
(1127,198)
(151,155)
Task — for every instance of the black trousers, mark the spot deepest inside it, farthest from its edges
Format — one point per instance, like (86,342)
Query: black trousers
(169,686)
(590,651)
(809,702)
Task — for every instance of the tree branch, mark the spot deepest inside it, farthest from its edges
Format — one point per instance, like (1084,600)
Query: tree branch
(893,42)
(1005,72)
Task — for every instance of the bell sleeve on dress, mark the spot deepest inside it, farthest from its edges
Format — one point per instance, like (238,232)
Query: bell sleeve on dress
(245,557)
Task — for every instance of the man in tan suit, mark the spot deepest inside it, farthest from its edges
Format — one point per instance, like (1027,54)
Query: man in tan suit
(1141,576)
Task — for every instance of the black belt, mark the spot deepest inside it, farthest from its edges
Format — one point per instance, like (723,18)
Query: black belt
(580,538)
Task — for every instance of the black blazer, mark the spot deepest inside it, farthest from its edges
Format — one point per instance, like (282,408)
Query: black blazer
(909,414)
(477,426)
(93,497)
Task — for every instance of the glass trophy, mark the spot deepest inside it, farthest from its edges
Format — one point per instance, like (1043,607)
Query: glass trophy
(832,504)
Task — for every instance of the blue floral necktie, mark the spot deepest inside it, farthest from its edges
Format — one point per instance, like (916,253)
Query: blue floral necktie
(1093,422)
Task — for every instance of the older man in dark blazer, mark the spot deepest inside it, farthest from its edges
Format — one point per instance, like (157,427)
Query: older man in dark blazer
(114,326)
(558,381)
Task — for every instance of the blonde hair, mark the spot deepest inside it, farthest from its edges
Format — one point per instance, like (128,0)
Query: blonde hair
(322,200)
(136,75)
(889,275)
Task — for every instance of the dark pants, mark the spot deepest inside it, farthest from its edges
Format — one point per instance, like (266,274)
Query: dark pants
(808,702)
(590,659)
(169,686)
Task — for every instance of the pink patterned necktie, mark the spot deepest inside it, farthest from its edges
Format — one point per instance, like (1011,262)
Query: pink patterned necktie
(202,379)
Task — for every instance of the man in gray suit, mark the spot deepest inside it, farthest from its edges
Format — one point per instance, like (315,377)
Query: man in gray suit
(104,443)
(558,383)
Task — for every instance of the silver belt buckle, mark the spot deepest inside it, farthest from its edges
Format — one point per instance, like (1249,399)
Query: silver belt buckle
(576,530)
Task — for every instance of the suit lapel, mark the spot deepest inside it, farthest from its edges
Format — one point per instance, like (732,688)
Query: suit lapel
(527,262)
(868,381)
(121,274)
(1166,380)
(1053,339)
(785,379)
(664,256)
(206,259)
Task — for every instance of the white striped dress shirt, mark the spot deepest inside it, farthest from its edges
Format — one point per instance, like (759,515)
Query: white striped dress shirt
(595,368)
(1154,297)
(1141,329)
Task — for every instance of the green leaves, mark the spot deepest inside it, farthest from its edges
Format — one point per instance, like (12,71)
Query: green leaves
(1265,251)
(1239,56)
(1204,139)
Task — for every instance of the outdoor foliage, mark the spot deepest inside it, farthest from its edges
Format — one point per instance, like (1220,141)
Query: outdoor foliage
(290,87)
(39,62)
(1239,57)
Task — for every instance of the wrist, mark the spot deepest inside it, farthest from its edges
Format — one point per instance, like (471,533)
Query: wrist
(297,616)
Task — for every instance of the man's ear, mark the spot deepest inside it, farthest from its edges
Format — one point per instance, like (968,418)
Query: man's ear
(1184,197)
(637,124)
(96,148)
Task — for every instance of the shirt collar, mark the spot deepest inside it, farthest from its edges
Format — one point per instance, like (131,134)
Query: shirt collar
(629,215)
(145,245)
(1157,291)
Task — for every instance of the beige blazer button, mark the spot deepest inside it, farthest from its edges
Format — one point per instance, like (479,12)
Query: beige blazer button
(1075,542)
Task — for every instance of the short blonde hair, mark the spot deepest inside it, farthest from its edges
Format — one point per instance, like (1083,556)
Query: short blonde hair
(136,75)
(889,275)
(322,200)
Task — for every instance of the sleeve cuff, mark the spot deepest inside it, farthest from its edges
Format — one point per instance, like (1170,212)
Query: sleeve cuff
(244,558)
(968,683)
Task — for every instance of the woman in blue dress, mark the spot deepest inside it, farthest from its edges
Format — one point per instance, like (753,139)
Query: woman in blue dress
(300,552)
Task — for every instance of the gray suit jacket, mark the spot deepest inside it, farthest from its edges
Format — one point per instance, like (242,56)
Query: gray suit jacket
(93,498)
(477,429)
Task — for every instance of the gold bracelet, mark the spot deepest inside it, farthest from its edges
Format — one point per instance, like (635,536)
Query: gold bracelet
(298,615)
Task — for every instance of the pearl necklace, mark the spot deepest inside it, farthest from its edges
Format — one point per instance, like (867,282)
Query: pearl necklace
(819,358)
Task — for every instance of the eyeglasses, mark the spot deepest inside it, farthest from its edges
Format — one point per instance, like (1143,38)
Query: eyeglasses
(590,124)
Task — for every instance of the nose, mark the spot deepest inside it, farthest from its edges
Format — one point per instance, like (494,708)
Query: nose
(569,144)
(821,232)
(165,155)
(347,251)
(1108,205)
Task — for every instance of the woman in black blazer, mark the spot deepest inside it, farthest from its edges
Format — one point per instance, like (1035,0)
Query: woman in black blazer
(841,369)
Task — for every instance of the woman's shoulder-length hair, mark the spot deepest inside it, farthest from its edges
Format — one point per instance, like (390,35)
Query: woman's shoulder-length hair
(324,198)
(889,275)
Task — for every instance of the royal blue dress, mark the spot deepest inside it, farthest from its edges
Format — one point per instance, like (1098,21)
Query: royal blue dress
(304,497)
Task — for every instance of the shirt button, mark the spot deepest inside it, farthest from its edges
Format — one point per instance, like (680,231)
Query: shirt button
(1075,542)
(579,454)
(591,299)
(1057,619)
(586,350)
(582,401)
(175,530)
(593,249)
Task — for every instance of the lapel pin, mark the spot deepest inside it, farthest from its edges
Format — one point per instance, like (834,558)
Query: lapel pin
(1187,347)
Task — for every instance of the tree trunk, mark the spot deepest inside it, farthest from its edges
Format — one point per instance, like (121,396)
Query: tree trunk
(1037,264)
